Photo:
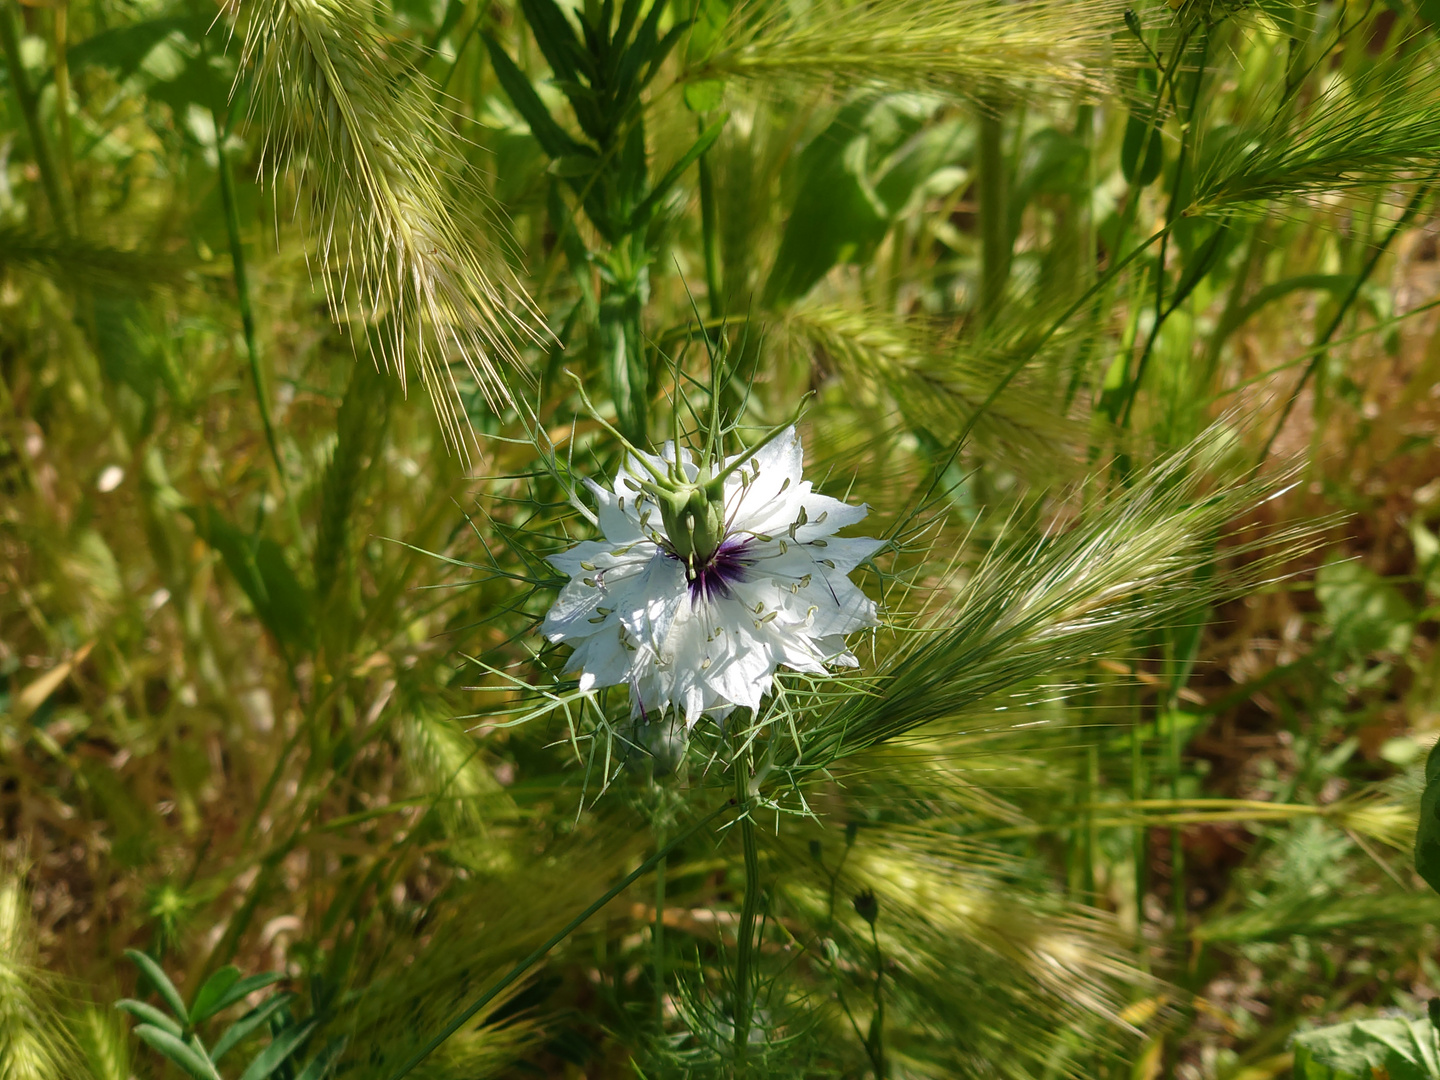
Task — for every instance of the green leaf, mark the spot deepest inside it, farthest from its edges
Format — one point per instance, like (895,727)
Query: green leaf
(572,166)
(554,34)
(238,1031)
(204,80)
(1400,1049)
(837,216)
(149,1015)
(161,982)
(704,95)
(704,142)
(206,1003)
(1366,614)
(275,1055)
(124,48)
(178,1051)
(1427,835)
(245,987)
(259,565)
(552,137)
(1141,139)
(321,1064)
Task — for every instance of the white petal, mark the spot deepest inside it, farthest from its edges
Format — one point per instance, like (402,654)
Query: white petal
(770,499)
(601,659)
(618,526)
(649,599)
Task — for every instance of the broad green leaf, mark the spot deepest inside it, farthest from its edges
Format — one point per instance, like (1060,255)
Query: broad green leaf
(161,982)
(123,48)
(207,1001)
(837,216)
(1365,613)
(204,80)
(238,1031)
(259,566)
(178,1051)
(149,1014)
(924,156)
(1142,152)
(275,1055)
(1427,835)
(1364,1049)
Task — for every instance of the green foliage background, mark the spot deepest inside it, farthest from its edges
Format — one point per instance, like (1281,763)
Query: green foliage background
(1121,320)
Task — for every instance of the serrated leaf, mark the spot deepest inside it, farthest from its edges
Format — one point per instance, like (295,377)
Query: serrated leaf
(149,1014)
(275,1055)
(178,1051)
(241,1029)
(161,982)
(206,1003)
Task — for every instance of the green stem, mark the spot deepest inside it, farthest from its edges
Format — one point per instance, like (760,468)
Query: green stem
(242,286)
(62,93)
(1172,208)
(657,940)
(875,1044)
(1411,208)
(622,346)
(994,215)
(30,109)
(565,931)
(749,910)
(1141,838)
(710,234)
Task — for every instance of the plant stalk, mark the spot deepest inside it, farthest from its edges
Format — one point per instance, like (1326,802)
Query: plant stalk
(994,214)
(710,234)
(657,938)
(247,313)
(745,942)
(875,1044)
(60,46)
(29,103)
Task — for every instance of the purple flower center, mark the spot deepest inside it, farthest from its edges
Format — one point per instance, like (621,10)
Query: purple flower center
(728,566)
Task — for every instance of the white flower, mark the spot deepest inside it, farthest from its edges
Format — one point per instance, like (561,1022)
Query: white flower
(710,578)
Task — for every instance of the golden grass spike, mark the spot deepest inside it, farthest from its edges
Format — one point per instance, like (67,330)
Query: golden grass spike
(34,1044)
(391,239)
(987,50)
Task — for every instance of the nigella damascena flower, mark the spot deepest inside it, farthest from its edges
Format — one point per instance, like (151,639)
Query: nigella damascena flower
(709,578)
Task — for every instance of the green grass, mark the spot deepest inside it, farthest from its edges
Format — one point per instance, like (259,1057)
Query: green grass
(1121,325)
